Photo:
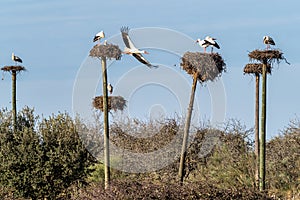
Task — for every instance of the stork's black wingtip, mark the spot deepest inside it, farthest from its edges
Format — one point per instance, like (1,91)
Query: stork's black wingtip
(124,29)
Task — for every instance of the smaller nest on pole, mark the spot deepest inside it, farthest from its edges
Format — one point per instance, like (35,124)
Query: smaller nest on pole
(256,68)
(108,51)
(207,65)
(114,103)
(268,56)
(16,68)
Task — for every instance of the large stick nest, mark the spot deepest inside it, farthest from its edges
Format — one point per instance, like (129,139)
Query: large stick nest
(267,56)
(208,66)
(256,68)
(107,50)
(114,103)
(16,68)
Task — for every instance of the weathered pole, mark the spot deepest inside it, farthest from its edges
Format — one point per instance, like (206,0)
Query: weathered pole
(106,125)
(14,98)
(262,157)
(186,130)
(257,77)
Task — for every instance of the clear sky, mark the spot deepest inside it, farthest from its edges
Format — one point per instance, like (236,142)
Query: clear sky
(54,38)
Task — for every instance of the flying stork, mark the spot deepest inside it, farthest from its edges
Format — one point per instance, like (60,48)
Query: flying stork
(98,36)
(110,88)
(208,41)
(16,58)
(132,50)
(268,41)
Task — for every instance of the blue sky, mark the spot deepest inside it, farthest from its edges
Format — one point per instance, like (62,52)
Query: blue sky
(54,38)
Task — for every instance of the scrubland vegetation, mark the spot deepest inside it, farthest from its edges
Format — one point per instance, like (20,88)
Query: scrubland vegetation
(44,158)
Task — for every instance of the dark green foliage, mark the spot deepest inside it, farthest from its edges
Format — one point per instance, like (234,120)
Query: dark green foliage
(40,159)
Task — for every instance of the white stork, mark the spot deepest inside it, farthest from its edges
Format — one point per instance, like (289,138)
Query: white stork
(268,41)
(98,36)
(110,88)
(16,58)
(208,41)
(132,50)
(203,43)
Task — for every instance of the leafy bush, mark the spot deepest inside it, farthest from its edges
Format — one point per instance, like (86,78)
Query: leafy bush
(40,159)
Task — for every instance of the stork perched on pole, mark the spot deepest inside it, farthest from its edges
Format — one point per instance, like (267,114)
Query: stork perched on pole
(208,41)
(98,36)
(268,41)
(110,88)
(16,58)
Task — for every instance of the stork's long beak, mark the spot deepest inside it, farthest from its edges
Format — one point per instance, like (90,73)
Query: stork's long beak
(146,52)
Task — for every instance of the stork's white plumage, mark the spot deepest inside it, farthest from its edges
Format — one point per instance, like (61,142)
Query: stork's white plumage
(98,36)
(16,58)
(132,50)
(208,41)
(212,41)
(268,41)
(110,88)
(203,43)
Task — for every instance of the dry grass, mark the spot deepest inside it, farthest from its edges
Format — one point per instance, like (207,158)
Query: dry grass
(13,68)
(207,66)
(108,51)
(256,68)
(114,103)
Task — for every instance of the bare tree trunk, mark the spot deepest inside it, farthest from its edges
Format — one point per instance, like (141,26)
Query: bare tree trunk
(257,130)
(14,99)
(106,125)
(262,159)
(181,172)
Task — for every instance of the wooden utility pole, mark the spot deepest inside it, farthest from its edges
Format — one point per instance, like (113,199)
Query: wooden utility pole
(257,77)
(106,125)
(13,70)
(262,157)
(102,52)
(14,97)
(186,130)
(202,67)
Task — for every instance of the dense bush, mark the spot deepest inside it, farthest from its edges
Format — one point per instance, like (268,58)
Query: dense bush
(283,162)
(40,159)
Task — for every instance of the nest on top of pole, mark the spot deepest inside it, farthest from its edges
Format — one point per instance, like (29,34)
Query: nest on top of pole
(268,56)
(114,103)
(16,68)
(106,50)
(207,66)
(256,68)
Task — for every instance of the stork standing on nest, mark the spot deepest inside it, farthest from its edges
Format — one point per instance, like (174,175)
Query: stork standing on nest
(132,50)
(110,88)
(98,36)
(208,41)
(16,58)
(268,41)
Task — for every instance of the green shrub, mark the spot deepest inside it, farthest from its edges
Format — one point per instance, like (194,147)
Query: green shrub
(40,159)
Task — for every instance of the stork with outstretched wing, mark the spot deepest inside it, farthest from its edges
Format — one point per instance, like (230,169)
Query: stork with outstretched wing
(130,49)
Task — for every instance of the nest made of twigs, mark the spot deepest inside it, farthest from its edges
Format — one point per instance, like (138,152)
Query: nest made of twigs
(114,103)
(208,66)
(16,68)
(106,50)
(267,56)
(256,68)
